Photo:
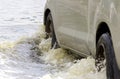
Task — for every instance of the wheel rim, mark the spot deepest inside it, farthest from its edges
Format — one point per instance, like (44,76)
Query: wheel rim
(101,57)
(49,30)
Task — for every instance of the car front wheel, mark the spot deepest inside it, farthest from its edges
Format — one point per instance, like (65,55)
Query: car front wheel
(49,28)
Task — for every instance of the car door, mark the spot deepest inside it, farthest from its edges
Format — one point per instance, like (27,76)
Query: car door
(72,23)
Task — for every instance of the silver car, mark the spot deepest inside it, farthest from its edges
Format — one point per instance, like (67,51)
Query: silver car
(87,27)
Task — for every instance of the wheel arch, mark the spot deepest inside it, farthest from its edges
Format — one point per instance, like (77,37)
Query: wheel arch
(47,11)
(102,28)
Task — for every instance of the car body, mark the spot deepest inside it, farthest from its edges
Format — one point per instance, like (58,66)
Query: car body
(79,24)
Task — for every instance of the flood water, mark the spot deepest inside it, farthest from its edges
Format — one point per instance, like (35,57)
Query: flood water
(25,54)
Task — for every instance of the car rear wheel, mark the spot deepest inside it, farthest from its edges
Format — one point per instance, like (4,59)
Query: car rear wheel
(105,57)
(49,28)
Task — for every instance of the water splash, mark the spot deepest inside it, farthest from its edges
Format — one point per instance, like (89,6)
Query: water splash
(68,67)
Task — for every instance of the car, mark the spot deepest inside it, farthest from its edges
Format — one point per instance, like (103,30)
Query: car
(87,27)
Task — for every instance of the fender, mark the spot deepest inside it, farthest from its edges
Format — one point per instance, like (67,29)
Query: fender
(104,11)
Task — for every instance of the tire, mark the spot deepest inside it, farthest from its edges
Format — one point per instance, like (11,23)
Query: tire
(104,52)
(50,31)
